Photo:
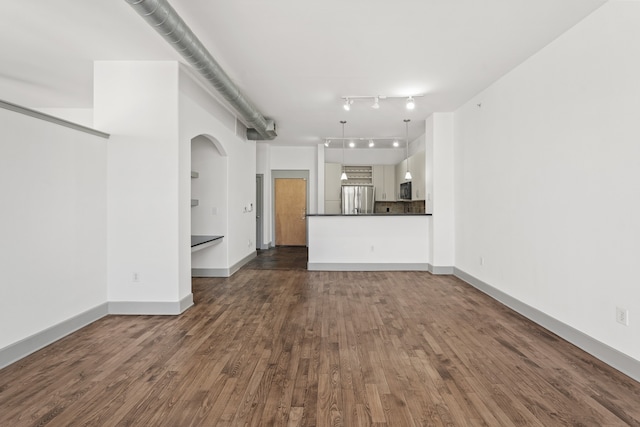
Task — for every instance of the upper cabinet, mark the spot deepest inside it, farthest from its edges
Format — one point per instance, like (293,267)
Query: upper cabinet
(384,180)
(418,181)
(418,176)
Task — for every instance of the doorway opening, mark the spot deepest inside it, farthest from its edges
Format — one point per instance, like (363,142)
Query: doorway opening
(291,211)
(290,201)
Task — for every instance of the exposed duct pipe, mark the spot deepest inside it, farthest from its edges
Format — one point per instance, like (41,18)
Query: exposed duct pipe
(166,21)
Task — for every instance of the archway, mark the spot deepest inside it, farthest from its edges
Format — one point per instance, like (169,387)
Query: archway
(209,210)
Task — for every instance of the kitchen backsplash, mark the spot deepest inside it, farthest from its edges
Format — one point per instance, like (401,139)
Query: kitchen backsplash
(416,206)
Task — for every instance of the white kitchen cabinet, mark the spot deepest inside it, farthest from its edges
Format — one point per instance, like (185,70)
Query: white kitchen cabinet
(384,180)
(332,188)
(401,169)
(418,175)
(418,181)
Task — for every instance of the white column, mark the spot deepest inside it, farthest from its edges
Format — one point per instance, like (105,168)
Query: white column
(440,200)
(320,179)
(137,103)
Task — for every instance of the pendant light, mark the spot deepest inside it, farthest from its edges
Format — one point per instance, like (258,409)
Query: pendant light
(407,176)
(343,177)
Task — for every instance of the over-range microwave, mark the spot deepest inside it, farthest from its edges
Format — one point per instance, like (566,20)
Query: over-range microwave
(405,191)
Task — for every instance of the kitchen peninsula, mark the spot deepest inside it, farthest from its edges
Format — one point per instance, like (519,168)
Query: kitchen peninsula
(370,242)
(384,226)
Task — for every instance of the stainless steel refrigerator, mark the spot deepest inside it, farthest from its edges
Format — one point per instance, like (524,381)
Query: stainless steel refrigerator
(357,199)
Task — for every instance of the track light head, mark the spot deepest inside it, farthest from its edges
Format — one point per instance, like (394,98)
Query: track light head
(347,104)
(396,143)
(327,142)
(411,103)
(352,144)
(376,103)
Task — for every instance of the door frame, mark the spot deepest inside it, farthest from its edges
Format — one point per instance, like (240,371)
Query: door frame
(260,211)
(275,174)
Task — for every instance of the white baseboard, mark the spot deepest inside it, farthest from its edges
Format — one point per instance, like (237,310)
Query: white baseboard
(35,342)
(223,272)
(266,246)
(612,357)
(439,269)
(356,266)
(151,307)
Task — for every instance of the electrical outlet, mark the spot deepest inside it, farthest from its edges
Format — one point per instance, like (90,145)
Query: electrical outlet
(622,316)
(135,277)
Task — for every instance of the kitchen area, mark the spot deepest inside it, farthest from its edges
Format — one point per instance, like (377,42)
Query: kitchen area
(375,219)
(384,186)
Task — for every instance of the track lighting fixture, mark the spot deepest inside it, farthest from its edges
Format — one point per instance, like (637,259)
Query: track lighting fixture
(411,103)
(364,142)
(407,176)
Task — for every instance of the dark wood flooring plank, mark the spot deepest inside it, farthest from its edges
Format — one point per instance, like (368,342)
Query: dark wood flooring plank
(278,346)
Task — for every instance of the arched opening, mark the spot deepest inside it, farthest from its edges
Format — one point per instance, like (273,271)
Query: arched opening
(209,212)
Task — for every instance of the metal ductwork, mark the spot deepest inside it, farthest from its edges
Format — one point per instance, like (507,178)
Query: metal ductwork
(166,21)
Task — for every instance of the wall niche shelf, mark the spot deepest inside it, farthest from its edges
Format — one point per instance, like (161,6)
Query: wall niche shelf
(194,202)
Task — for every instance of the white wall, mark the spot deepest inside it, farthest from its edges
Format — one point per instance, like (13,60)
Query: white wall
(53,225)
(547,179)
(201,115)
(136,101)
(298,158)
(81,116)
(442,199)
(263,166)
(428,172)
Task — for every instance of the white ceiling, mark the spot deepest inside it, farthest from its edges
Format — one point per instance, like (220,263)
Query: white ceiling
(295,59)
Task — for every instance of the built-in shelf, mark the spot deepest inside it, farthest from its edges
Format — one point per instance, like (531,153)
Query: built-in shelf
(194,174)
(358,175)
(194,202)
(201,242)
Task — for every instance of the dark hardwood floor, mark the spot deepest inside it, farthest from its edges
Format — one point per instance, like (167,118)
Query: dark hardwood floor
(291,347)
(280,258)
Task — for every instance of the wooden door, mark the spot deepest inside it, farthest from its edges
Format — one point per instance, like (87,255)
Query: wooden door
(291,208)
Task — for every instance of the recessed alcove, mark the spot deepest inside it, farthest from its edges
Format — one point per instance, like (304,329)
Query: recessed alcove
(209,189)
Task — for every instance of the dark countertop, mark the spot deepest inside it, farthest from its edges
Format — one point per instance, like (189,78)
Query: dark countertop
(201,240)
(375,214)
